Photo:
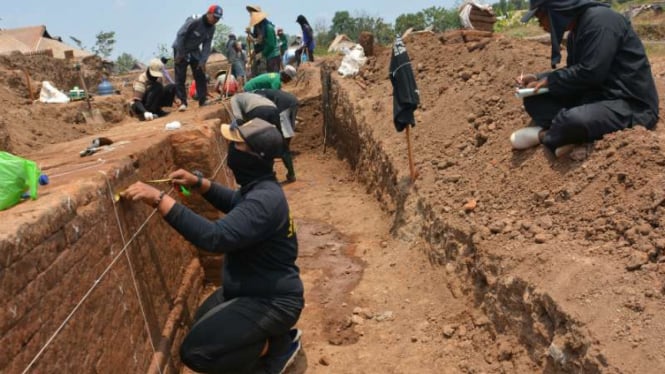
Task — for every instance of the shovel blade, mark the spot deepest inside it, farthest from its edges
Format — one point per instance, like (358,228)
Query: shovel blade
(94,117)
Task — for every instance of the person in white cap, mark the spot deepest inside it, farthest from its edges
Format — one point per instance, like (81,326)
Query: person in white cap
(271,80)
(150,96)
(246,325)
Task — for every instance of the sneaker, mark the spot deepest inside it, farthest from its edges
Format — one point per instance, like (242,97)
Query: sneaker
(526,138)
(278,365)
(182,108)
(295,334)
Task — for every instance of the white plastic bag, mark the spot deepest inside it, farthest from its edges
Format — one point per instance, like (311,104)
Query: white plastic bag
(173,125)
(352,61)
(52,95)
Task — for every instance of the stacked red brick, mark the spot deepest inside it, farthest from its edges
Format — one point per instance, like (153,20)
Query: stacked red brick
(478,17)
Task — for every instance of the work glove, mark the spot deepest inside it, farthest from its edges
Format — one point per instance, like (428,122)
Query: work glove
(148,116)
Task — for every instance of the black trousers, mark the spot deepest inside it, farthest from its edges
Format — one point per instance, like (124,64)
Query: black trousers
(180,69)
(154,99)
(157,97)
(229,335)
(570,121)
(267,113)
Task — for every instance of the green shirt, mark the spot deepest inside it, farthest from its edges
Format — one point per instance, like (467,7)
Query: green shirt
(270,46)
(267,81)
(283,43)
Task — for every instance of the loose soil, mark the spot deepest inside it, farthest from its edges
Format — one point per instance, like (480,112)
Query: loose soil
(381,296)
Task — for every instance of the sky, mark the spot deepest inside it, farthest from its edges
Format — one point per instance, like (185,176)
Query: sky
(142,25)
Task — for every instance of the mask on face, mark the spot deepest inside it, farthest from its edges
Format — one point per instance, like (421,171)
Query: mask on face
(247,167)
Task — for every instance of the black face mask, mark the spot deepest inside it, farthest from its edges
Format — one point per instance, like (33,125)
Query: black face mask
(247,167)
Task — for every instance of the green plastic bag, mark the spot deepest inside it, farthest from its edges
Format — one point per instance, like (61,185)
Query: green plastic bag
(17,175)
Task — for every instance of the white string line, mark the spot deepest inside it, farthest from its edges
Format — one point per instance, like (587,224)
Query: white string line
(108,268)
(95,164)
(131,269)
(87,294)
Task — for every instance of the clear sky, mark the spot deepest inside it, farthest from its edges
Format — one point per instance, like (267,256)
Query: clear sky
(141,25)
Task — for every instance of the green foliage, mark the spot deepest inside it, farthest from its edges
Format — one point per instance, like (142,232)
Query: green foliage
(104,44)
(406,21)
(439,18)
(222,32)
(125,63)
(322,35)
(344,23)
(503,7)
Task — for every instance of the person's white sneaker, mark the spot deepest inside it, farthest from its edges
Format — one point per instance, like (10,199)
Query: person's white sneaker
(182,108)
(526,138)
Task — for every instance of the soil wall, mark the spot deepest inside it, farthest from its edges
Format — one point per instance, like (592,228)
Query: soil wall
(546,248)
(73,261)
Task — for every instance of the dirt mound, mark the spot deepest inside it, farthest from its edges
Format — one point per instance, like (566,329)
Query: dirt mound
(585,232)
(26,126)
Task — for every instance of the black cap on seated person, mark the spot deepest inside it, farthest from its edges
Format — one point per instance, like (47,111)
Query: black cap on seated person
(263,138)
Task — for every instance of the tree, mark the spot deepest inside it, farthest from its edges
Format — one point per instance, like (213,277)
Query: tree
(321,34)
(406,21)
(441,19)
(222,32)
(104,44)
(125,63)
(343,23)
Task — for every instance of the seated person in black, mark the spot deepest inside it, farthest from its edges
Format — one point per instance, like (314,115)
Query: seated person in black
(606,85)
(150,96)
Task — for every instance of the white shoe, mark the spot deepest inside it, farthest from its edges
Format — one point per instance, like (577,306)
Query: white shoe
(182,108)
(526,138)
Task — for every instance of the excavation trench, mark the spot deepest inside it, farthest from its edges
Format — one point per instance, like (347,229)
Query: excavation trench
(516,308)
(89,285)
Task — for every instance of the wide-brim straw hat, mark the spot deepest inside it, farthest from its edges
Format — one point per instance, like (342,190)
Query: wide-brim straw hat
(256,17)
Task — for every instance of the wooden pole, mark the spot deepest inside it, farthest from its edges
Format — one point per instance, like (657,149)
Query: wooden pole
(27,82)
(412,168)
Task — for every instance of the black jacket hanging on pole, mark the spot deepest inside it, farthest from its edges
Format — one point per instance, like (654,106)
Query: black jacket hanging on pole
(405,92)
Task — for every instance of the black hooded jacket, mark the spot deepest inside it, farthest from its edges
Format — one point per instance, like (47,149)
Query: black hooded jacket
(257,236)
(606,60)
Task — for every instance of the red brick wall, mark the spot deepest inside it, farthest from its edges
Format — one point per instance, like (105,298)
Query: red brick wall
(53,250)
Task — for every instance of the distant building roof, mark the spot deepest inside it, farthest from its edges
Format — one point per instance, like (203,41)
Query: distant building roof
(34,39)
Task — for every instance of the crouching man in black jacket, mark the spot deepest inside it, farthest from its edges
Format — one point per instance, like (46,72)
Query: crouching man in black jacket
(246,325)
(606,86)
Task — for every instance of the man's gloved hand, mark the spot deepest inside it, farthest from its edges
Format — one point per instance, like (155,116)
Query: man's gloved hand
(148,116)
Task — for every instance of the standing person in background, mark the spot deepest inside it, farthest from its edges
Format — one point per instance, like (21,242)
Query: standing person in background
(283,43)
(192,48)
(271,80)
(238,59)
(308,39)
(266,48)
(287,105)
(149,94)
(230,43)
